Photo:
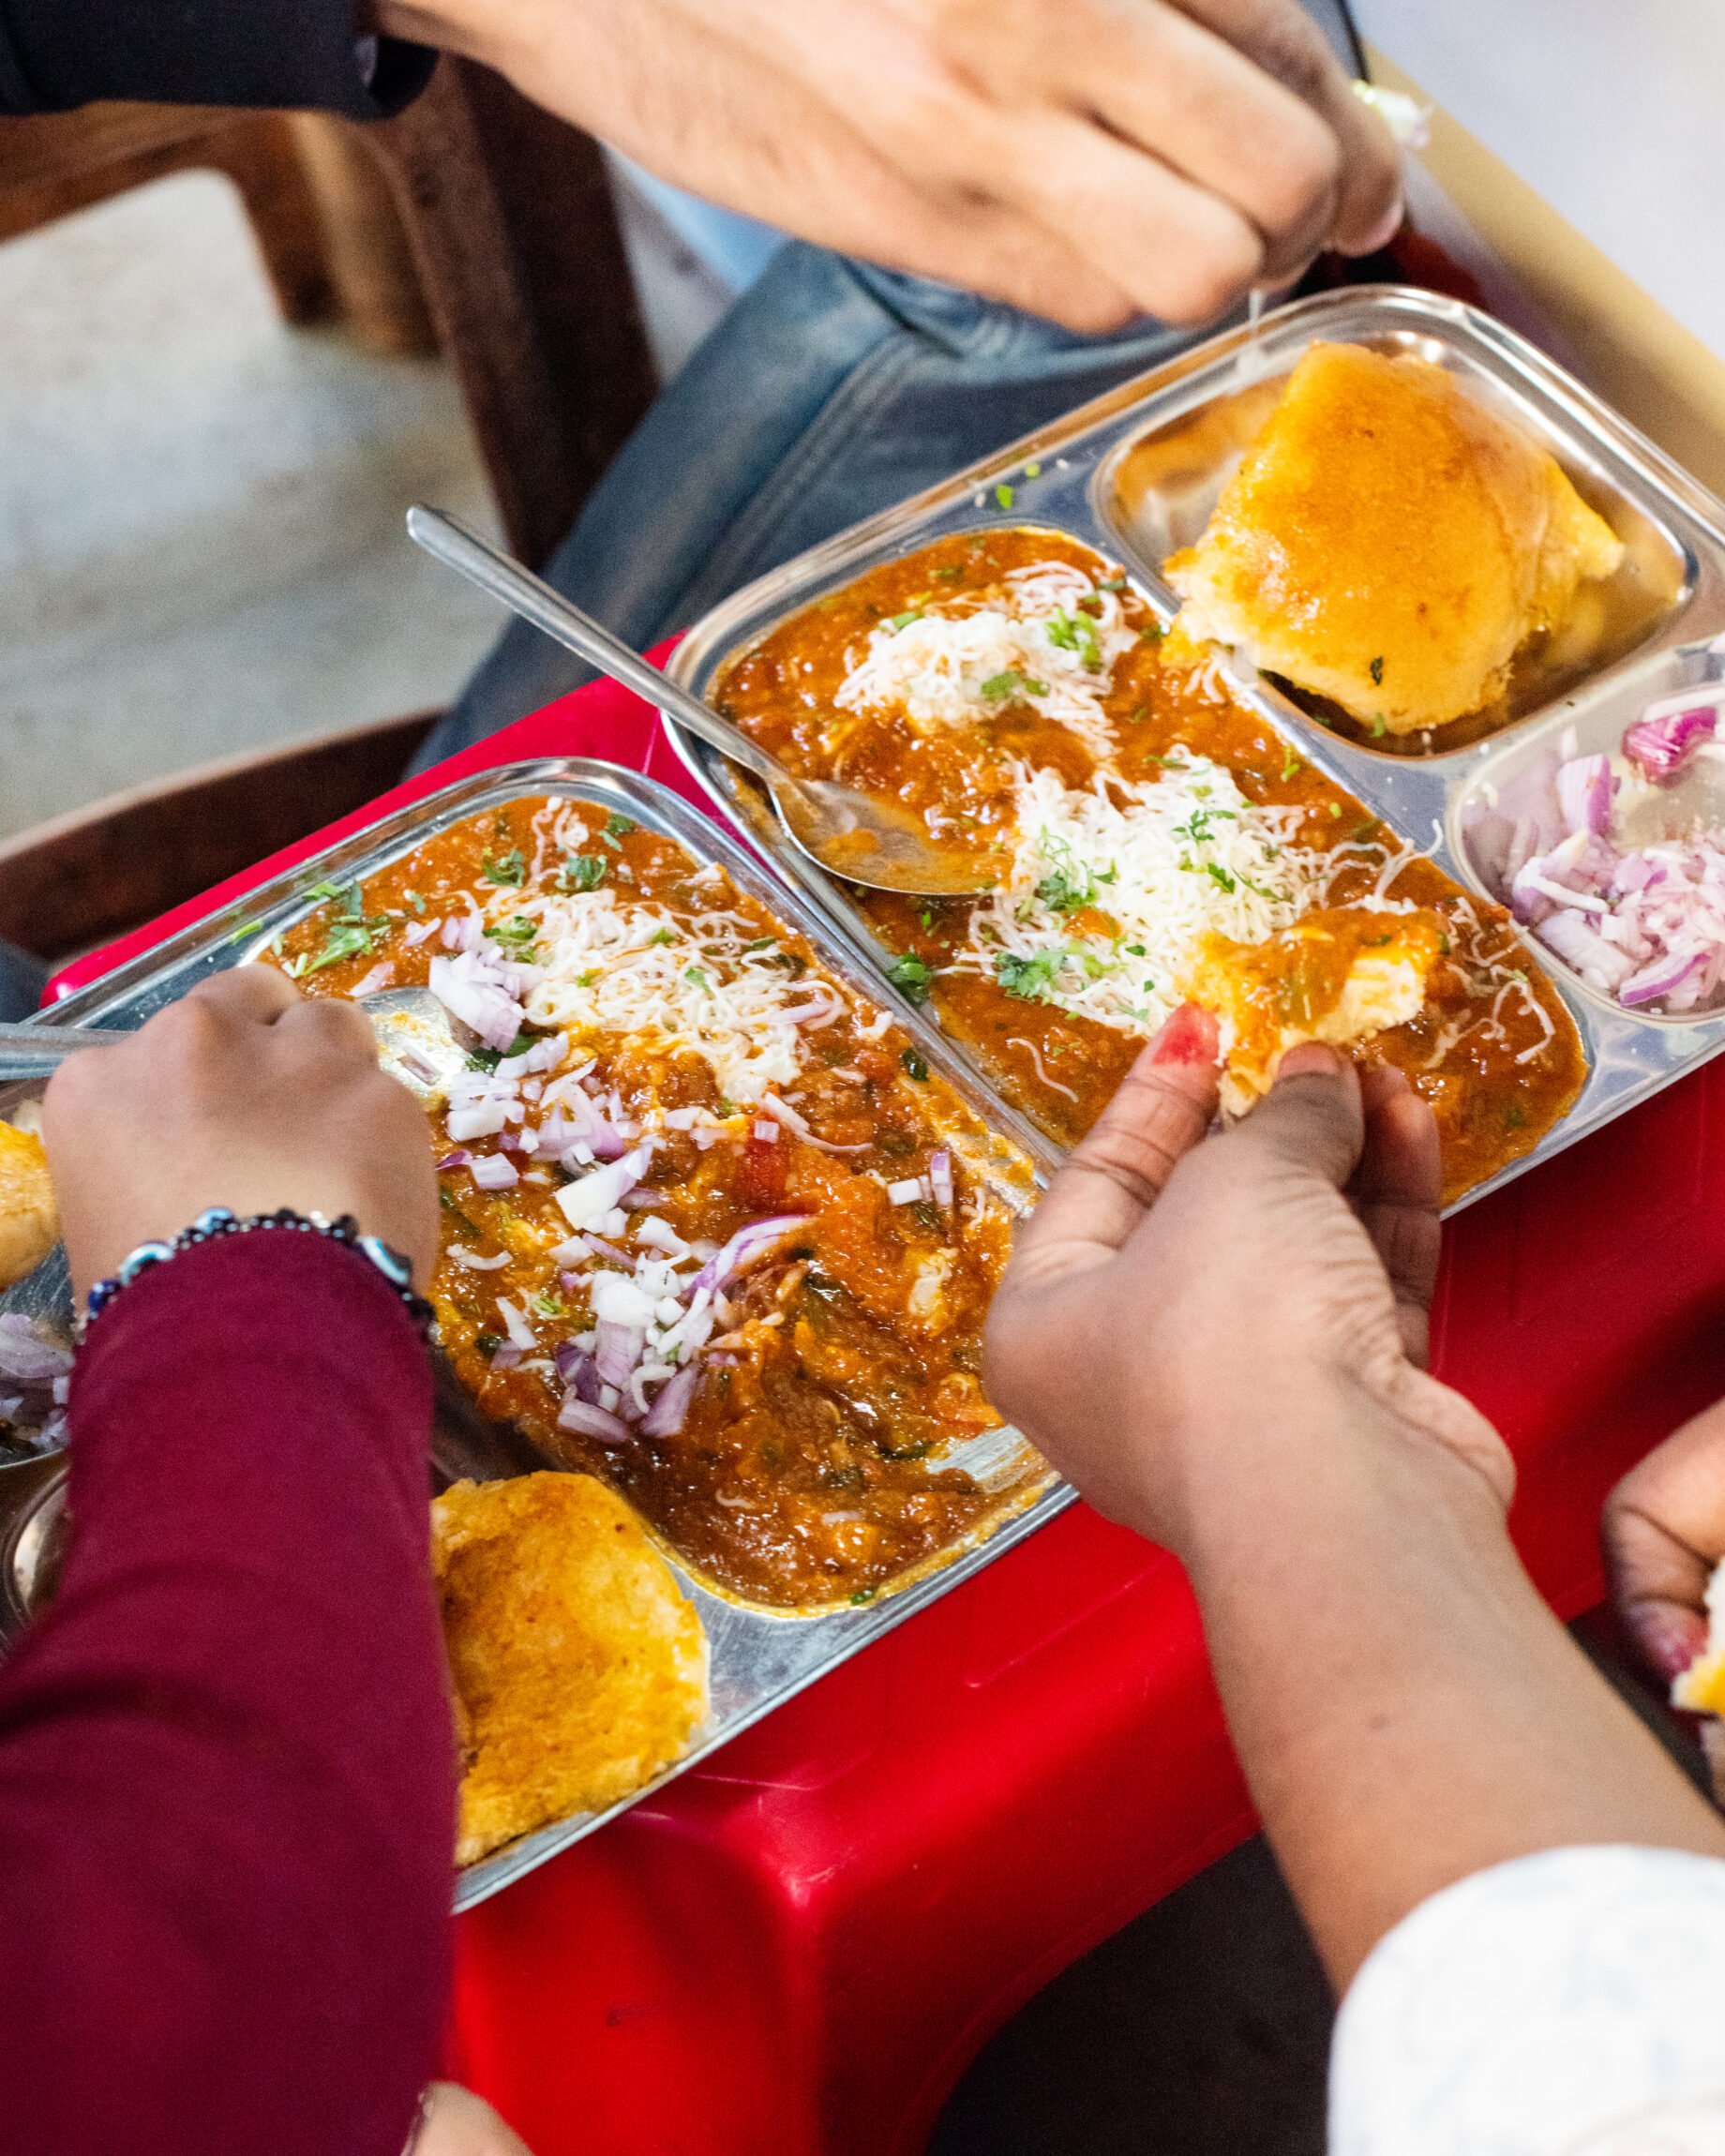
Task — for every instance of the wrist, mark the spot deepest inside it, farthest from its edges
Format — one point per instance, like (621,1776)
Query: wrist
(1333,1447)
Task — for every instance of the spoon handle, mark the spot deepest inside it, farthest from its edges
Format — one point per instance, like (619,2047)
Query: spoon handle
(534,600)
(32,1051)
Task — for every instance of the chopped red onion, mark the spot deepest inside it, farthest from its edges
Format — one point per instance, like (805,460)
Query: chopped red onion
(750,1242)
(667,1413)
(458,1158)
(619,1351)
(766,1133)
(473,992)
(1663,979)
(592,1421)
(417,931)
(506,1356)
(495,1172)
(577,1370)
(1665,739)
(515,1324)
(1585,790)
(25,1356)
(940,1179)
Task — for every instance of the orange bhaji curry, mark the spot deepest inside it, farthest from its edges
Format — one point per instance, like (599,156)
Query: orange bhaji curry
(1155,841)
(711,1229)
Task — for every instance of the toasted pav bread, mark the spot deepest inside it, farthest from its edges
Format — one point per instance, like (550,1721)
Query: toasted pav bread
(1340,976)
(578,1667)
(1388,543)
(29,1221)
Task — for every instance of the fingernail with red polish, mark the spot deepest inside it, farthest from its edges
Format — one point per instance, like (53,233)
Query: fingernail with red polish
(1189,1036)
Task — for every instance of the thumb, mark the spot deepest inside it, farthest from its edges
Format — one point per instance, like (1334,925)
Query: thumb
(1310,1120)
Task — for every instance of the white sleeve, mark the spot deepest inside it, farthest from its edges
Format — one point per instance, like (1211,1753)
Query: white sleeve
(1570,2003)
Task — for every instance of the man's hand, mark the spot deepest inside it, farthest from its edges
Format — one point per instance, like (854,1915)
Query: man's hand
(1087,160)
(240,1095)
(1664,1531)
(1170,1302)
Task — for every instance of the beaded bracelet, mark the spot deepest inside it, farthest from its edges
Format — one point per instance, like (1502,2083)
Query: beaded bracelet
(219,1220)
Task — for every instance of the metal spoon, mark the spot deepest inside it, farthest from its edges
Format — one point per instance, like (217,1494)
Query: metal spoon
(848,833)
(417,1043)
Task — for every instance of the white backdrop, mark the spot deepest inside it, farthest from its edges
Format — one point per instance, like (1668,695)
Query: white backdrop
(1612,109)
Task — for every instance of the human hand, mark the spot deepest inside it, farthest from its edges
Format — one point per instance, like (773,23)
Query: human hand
(1664,1531)
(241,1095)
(458,2123)
(1169,1299)
(1087,160)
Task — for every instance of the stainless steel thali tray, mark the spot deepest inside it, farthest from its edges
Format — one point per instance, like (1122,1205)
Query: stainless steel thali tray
(760,1657)
(1139,470)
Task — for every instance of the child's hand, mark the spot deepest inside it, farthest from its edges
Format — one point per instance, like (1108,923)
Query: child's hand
(1664,1531)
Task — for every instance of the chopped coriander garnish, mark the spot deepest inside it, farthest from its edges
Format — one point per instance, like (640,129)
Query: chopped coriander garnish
(547,1304)
(415,900)
(862,1594)
(911,976)
(325,891)
(665,936)
(1138,712)
(1136,950)
(582,872)
(1153,633)
(947,575)
(1378,725)
(1003,495)
(1076,632)
(1033,472)
(1335,808)
(998,687)
(695,974)
(296,966)
(1030,979)
(616,826)
(487,1343)
(1292,765)
(915,1066)
(244,928)
(904,620)
(520,929)
(1377,673)
(1112,584)
(511,869)
(1217,874)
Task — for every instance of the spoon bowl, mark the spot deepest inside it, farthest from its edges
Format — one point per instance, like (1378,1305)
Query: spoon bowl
(849,834)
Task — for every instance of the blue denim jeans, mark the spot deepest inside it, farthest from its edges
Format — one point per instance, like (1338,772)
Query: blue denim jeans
(831,389)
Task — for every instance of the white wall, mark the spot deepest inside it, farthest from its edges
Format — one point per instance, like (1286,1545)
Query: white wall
(1612,109)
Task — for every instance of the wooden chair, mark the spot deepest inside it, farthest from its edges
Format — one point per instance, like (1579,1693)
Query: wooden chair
(474,221)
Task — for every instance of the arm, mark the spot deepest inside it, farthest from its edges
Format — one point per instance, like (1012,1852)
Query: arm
(1251,1312)
(226,1771)
(54,56)
(1086,160)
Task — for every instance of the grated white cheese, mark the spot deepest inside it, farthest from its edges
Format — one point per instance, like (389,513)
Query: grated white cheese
(1167,862)
(634,968)
(1058,657)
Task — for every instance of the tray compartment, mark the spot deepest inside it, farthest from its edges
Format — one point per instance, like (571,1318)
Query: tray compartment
(1158,486)
(1479,828)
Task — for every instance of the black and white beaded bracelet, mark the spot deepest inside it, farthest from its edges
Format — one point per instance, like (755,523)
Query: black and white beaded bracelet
(219,1220)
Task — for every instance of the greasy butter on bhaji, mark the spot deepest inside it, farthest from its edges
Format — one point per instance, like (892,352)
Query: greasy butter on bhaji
(1146,830)
(708,1229)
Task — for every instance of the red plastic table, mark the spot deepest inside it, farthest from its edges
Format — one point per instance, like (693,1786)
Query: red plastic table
(796,1949)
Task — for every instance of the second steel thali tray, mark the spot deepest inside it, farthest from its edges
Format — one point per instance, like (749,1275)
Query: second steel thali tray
(1138,471)
(760,1656)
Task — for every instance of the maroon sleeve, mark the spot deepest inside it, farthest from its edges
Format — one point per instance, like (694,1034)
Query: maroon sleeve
(226,1766)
